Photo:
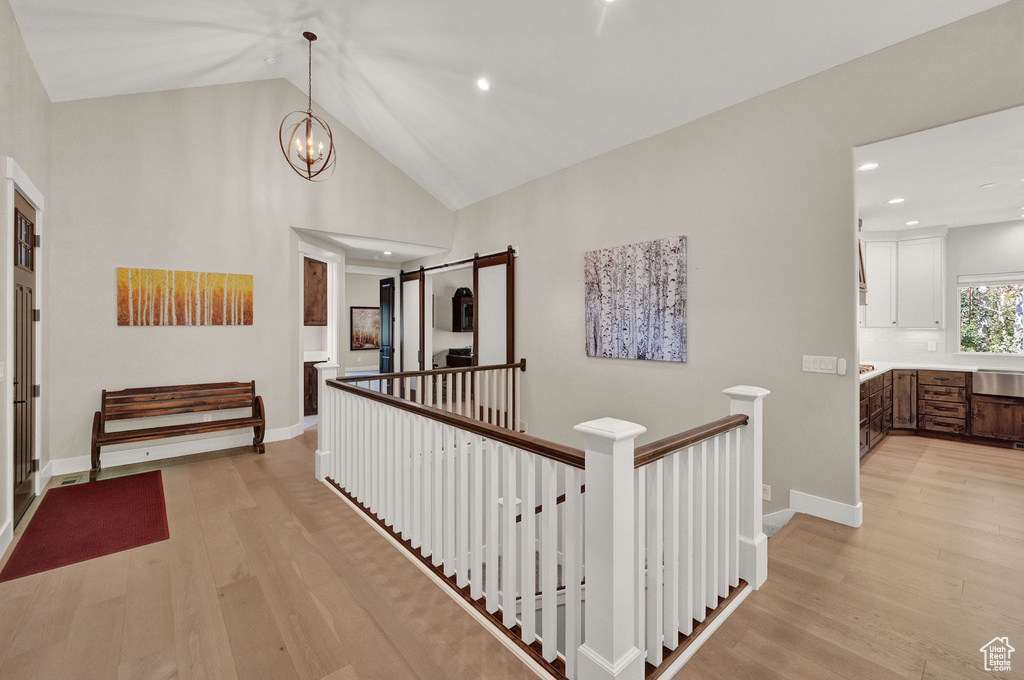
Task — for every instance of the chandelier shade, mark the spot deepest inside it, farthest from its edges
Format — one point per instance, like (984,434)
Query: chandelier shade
(306,140)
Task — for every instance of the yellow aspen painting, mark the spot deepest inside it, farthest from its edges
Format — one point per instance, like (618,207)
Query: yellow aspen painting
(163,297)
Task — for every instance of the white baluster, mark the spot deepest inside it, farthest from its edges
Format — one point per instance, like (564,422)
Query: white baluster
(699,532)
(450,464)
(671,498)
(711,585)
(427,458)
(549,557)
(528,556)
(509,554)
(476,513)
(517,388)
(686,510)
(490,456)
(734,528)
(655,562)
(463,509)
(572,572)
(724,519)
(640,550)
(437,470)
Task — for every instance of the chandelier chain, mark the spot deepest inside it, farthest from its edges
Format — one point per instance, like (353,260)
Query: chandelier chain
(310,90)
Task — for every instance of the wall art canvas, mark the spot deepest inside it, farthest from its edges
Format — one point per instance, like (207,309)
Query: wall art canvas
(166,297)
(365,328)
(636,300)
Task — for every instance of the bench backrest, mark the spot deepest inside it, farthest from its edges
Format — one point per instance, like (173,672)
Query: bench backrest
(146,402)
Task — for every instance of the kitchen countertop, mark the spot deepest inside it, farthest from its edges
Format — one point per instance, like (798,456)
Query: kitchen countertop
(883,366)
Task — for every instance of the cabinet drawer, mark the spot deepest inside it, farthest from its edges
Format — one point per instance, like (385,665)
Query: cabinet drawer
(876,405)
(864,390)
(875,431)
(887,398)
(875,384)
(886,421)
(935,393)
(887,379)
(940,424)
(864,411)
(865,442)
(942,378)
(946,409)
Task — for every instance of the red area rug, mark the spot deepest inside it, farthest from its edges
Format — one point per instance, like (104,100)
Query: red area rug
(80,522)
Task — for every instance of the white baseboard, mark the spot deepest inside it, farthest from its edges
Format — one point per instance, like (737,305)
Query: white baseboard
(6,536)
(70,466)
(43,478)
(777,519)
(833,511)
(692,648)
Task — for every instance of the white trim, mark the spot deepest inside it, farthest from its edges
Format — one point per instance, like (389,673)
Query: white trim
(43,477)
(488,626)
(903,234)
(319,253)
(6,536)
(383,272)
(1008,278)
(692,648)
(777,519)
(70,466)
(833,511)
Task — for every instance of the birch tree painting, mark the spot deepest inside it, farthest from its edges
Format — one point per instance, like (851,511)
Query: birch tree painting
(162,297)
(636,300)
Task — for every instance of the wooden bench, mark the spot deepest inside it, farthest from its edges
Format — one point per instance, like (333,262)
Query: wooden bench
(149,402)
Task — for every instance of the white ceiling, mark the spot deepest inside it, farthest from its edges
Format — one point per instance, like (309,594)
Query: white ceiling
(571,79)
(940,173)
(362,248)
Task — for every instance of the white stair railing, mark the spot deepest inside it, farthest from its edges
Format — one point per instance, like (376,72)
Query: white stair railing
(665,532)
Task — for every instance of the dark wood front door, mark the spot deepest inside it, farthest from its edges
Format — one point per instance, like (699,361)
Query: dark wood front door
(24,354)
(387,325)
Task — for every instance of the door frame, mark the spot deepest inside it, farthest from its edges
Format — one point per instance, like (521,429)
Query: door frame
(17,179)
(384,273)
(333,261)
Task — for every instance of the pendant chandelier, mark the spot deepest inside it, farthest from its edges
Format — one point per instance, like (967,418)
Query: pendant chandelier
(303,136)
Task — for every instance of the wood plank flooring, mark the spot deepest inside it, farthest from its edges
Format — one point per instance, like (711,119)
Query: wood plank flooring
(268,574)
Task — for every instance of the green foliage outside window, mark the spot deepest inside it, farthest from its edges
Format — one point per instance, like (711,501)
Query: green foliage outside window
(992,319)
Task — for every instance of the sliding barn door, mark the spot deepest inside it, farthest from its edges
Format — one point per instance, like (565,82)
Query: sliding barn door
(494,307)
(412,328)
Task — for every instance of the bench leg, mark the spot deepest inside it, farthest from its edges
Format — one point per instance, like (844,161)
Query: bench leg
(260,430)
(95,445)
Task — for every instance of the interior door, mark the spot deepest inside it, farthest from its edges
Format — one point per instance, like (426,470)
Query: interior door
(387,325)
(494,307)
(24,354)
(411,326)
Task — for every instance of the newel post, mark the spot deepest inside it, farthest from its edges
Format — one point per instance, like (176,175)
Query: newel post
(753,548)
(326,422)
(609,651)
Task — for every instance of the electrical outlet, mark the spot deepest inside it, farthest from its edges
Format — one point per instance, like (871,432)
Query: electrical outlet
(931,345)
(766,492)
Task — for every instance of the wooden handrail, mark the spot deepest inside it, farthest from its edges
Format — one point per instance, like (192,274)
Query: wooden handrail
(557,452)
(558,501)
(648,453)
(521,365)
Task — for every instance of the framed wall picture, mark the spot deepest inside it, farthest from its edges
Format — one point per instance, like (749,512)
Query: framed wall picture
(364,328)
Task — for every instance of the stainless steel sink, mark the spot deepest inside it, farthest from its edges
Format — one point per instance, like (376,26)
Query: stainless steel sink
(999,383)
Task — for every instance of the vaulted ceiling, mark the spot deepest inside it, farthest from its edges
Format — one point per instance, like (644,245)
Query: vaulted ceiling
(570,79)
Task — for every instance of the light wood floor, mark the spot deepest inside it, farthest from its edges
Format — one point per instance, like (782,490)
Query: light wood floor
(269,575)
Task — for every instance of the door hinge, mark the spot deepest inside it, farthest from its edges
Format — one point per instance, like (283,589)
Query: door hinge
(35,465)
(36,314)
(37,240)
(36,390)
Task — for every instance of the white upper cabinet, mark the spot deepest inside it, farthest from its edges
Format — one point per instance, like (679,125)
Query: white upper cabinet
(880,271)
(919,283)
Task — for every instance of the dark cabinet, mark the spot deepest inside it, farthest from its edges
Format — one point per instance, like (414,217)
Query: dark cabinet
(997,417)
(904,400)
(876,410)
(942,401)
(310,388)
(315,292)
(462,312)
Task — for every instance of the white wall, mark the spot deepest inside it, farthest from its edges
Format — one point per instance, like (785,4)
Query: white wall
(764,191)
(361,290)
(137,182)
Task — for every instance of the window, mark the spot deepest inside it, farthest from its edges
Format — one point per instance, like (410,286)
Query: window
(992,314)
(24,238)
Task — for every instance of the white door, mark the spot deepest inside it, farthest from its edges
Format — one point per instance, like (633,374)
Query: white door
(410,325)
(490,309)
(919,291)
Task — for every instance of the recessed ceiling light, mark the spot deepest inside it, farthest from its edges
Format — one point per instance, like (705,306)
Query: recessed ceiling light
(483,84)
(912,223)
(270,59)
(895,201)
(608,2)
(868,166)
(387,252)
(987,185)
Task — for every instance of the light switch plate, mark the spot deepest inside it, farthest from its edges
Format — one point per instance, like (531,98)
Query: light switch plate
(816,364)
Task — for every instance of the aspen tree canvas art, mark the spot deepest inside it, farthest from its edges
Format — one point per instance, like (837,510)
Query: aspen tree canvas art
(635,300)
(162,297)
